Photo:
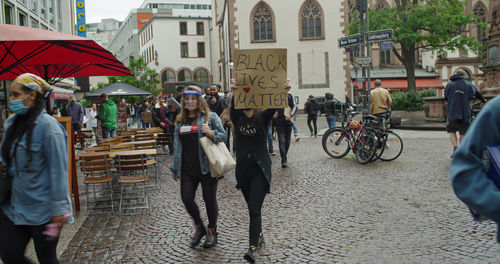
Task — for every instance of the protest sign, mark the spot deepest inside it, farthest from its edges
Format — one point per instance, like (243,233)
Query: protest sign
(260,75)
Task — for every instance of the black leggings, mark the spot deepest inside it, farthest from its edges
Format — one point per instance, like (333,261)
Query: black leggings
(209,188)
(15,238)
(313,119)
(254,190)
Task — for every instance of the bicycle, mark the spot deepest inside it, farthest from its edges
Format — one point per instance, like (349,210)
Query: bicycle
(389,144)
(338,141)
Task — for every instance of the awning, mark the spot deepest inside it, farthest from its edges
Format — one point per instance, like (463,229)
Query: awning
(60,93)
(402,84)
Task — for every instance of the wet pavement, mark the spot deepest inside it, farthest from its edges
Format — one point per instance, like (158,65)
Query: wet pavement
(320,210)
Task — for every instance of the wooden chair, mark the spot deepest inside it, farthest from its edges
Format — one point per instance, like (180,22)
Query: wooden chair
(97,171)
(154,130)
(163,140)
(128,133)
(96,148)
(111,140)
(133,170)
(151,161)
(139,137)
(121,146)
(136,129)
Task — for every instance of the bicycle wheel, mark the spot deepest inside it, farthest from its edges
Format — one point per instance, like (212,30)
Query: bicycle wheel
(335,143)
(393,147)
(379,148)
(367,148)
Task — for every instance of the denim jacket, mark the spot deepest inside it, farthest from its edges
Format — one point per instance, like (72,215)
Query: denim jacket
(41,190)
(219,136)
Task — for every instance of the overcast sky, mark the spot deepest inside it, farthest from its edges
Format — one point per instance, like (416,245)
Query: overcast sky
(95,10)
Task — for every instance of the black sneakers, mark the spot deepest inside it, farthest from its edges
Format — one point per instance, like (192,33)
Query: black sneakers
(211,239)
(250,255)
(199,233)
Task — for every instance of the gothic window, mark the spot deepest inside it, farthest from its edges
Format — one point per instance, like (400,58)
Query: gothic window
(184,76)
(262,23)
(312,21)
(481,14)
(201,76)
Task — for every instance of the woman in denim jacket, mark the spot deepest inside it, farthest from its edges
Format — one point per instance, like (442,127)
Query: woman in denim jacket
(191,125)
(35,153)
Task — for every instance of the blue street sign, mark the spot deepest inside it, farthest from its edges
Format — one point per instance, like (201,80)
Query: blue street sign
(379,35)
(385,46)
(360,80)
(351,40)
(351,48)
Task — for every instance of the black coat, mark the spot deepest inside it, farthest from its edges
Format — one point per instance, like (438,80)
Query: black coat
(311,107)
(251,146)
(159,117)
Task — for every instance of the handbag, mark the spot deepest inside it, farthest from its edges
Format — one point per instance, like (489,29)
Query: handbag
(219,157)
(5,187)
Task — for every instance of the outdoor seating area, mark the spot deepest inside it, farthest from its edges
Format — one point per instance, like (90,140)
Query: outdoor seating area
(120,171)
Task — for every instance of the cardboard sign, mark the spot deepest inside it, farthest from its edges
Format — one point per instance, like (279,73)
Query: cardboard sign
(261,76)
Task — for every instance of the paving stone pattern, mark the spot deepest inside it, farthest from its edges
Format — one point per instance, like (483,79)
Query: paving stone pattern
(321,210)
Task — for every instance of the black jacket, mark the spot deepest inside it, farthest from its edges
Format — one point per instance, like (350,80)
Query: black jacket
(161,117)
(329,108)
(280,120)
(311,107)
(251,146)
(218,107)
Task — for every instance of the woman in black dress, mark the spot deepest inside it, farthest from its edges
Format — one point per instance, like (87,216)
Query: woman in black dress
(253,166)
(190,163)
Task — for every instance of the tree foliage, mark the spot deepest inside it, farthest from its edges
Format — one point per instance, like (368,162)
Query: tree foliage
(437,25)
(144,77)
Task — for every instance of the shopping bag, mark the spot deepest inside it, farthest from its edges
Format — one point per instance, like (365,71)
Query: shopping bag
(219,157)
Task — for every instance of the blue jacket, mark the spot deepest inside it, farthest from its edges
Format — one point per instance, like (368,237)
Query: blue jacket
(40,191)
(76,112)
(458,93)
(219,136)
(469,181)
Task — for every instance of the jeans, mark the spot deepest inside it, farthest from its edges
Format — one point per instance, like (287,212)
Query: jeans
(15,238)
(107,133)
(270,137)
(313,119)
(295,131)
(254,191)
(284,135)
(331,120)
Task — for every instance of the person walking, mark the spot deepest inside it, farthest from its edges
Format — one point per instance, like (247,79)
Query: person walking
(160,113)
(108,114)
(35,154)
(284,126)
(213,100)
(190,163)
(458,93)
(75,110)
(91,118)
(253,167)
(331,118)
(379,97)
(312,108)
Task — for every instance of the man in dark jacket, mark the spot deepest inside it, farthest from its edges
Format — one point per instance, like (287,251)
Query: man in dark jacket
(284,126)
(331,118)
(312,108)
(213,100)
(160,113)
(458,94)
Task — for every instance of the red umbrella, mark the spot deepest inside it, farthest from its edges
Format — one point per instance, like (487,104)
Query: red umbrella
(53,55)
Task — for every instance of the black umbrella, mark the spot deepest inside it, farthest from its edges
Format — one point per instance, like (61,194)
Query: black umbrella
(119,89)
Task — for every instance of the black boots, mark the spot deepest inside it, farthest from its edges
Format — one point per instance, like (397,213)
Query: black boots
(211,239)
(199,233)
(250,255)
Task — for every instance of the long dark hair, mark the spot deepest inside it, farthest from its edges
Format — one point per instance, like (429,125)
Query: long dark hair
(32,114)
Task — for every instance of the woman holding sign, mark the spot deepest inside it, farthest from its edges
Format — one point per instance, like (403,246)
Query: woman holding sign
(253,166)
(190,163)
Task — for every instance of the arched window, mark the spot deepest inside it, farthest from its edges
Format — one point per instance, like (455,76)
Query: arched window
(201,76)
(311,21)
(184,75)
(262,23)
(481,14)
(167,76)
(468,74)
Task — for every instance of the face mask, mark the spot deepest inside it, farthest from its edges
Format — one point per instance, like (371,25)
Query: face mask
(17,107)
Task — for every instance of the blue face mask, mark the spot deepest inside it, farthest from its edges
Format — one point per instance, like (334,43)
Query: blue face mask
(17,107)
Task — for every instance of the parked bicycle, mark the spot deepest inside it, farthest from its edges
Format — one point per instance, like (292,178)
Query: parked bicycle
(389,144)
(338,141)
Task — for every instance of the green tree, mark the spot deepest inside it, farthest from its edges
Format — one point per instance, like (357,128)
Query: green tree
(144,77)
(437,25)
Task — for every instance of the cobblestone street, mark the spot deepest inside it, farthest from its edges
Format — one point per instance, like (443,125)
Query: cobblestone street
(320,210)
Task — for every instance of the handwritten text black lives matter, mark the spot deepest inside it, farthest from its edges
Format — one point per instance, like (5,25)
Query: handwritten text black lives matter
(260,75)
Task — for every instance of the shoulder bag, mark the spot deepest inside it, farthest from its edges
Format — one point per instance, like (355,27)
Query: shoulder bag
(219,157)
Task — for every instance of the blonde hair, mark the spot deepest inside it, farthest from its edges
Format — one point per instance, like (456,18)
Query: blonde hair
(202,106)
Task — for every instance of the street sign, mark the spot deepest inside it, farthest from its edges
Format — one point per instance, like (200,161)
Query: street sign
(385,46)
(351,48)
(351,40)
(360,80)
(364,61)
(379,35)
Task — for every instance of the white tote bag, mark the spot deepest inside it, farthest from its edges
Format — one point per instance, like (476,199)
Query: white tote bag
(219,157)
